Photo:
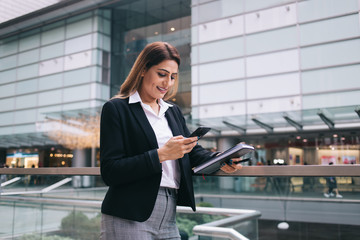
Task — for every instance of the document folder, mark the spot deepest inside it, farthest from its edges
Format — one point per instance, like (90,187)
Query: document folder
(240,150)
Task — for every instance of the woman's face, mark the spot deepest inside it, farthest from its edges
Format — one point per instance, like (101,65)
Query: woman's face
(158,80)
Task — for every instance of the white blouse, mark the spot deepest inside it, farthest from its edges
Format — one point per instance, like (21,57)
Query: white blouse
(171,169)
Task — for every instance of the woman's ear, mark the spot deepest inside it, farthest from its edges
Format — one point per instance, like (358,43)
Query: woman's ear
(143,72)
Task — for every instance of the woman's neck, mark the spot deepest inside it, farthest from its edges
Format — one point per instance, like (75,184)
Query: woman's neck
(154,104)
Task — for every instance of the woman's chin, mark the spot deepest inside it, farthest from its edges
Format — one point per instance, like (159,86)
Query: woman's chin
(161,95)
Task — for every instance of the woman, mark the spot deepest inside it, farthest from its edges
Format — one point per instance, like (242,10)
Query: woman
(146,157)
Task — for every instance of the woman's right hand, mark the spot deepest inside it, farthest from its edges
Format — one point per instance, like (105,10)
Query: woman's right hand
(176,147)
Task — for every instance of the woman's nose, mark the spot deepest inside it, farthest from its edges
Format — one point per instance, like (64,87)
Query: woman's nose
(168,81)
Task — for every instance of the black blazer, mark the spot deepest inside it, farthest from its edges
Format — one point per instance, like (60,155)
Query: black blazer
(130,164)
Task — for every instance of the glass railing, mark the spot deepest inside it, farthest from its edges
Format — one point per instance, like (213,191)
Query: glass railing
(81,187)
(40,203)
(61,216)
(30,218)
(306,188)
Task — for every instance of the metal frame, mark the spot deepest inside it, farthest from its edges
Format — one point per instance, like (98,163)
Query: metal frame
(246,171)
(219,228)
(263,125)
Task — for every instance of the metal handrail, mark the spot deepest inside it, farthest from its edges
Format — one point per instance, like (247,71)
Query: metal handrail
(303,171)
(219,228)
(218,232)
(78,171)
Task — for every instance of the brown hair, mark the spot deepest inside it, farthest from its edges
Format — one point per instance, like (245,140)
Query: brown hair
(153,54)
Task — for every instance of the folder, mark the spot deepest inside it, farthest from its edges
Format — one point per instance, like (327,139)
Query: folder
(240,150)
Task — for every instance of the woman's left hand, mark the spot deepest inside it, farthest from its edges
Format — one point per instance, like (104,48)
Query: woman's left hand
(231,166)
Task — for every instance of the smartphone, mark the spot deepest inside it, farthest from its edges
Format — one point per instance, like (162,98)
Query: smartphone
(200,132)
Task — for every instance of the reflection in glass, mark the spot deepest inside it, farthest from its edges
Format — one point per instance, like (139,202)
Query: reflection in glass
(134,31)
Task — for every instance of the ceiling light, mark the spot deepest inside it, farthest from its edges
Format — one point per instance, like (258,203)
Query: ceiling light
(283,226)
(172,29)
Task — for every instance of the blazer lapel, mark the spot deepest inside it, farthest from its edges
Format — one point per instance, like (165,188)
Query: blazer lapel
(169,114)
(144,123)
(174,126)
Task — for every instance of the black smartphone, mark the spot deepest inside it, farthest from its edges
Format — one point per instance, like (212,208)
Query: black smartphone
(243,159)
(200,132)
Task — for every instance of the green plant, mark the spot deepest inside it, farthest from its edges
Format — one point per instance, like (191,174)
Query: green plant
(78,226)
(36,236)
(186,222)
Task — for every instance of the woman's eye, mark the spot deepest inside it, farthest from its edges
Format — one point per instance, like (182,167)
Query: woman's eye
(161,74)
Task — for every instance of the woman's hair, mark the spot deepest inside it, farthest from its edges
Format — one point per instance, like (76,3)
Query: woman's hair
(153,54)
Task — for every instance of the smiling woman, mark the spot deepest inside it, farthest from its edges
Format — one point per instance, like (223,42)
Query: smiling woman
(156,82)
(146,153)
(152,55)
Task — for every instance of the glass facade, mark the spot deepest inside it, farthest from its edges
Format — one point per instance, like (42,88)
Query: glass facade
(53,67)
(136,24)
(277,45)
(55,78)
(56,68)
(284,69)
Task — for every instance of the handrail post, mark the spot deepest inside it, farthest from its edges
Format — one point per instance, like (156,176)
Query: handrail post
(218,232)
(218,228)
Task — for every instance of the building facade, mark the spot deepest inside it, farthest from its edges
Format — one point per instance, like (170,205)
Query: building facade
(280,75)
(60,63)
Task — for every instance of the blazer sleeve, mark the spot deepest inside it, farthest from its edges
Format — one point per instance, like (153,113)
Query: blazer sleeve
(116,166)
(198,155)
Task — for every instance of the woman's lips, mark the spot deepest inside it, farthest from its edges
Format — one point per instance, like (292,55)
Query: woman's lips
(162,90)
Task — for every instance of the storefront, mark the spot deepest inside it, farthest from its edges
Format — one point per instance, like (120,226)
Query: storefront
(60,159)
(39,157)
(22,160)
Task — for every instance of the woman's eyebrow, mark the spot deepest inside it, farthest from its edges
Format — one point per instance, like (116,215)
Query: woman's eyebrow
(162,69)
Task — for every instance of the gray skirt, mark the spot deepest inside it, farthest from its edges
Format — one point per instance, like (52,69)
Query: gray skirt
(160,225)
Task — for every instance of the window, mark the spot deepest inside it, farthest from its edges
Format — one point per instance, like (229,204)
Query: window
(105,73)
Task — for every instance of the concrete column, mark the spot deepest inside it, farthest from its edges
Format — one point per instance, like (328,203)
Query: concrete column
(93,157)
(82,158)
(2,157)
(42,156)
(226,183)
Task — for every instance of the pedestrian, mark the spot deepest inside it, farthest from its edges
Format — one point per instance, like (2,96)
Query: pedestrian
(145,152)
(332,187)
